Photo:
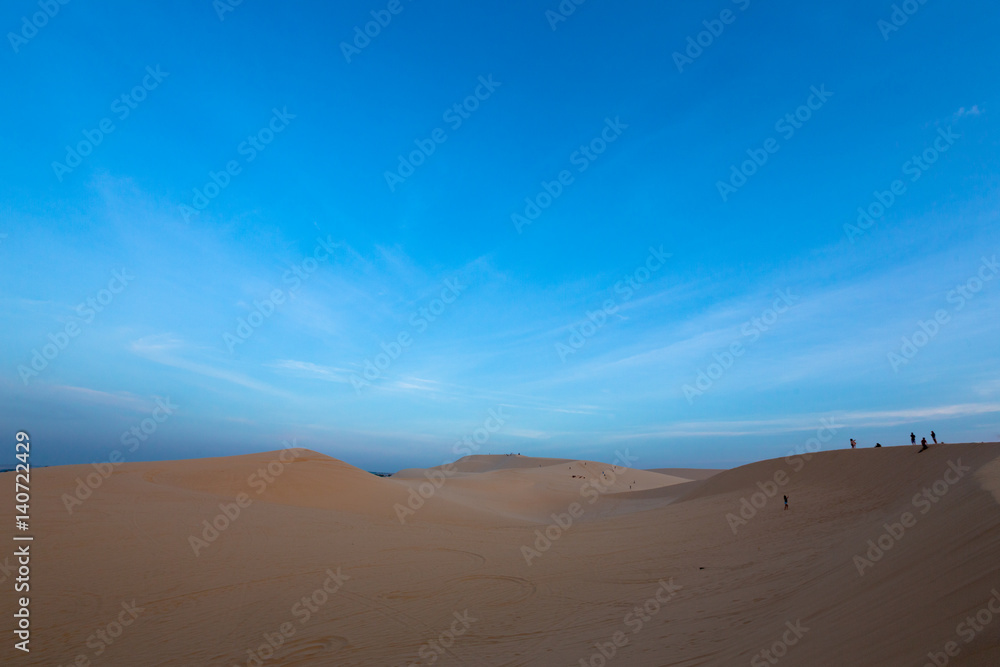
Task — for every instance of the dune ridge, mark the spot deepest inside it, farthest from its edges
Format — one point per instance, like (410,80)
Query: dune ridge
(498,553)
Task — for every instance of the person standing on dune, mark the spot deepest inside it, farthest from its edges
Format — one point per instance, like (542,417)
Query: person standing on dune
(913,438)
(853,443)
(934,437)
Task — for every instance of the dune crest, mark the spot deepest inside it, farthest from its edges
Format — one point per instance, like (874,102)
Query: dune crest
(498,556)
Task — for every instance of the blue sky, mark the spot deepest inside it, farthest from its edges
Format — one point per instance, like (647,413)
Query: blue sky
(309,231)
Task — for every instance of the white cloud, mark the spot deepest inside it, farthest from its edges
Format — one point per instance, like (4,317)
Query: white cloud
(160,348)
(309,369)
(974,110)
(857,418)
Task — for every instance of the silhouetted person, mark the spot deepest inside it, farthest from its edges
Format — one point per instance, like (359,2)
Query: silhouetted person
(913,439)
(853,443)
(934,437)
(786,502)
(923,442)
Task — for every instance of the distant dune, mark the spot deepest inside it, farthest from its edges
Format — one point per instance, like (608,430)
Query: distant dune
(489,463)
(688,473)
(296,558)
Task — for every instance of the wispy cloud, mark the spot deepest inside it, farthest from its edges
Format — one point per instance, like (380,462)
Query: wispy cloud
(799,423)
(896,417)
(121,399)
(529,434)
(963,112)
(311,370)
(163,348)
(513,400)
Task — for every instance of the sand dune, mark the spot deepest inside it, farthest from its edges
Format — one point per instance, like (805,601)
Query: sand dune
(531,489)
(491,462)
(517,562)
(298,478)
(688,473)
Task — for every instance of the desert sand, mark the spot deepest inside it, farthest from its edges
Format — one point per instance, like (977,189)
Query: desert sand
(511,560)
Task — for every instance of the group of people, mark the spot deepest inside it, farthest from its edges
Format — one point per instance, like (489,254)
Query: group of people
(913,441)
(923,441)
